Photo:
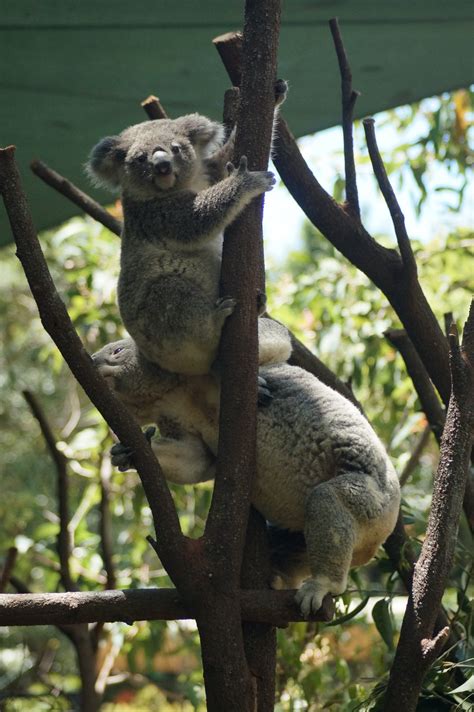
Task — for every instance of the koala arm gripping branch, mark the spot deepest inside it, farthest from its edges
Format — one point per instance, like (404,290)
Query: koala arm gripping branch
(216,207)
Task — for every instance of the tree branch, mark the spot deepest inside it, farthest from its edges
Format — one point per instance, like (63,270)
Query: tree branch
(412,463)
(349,98)
(76,195)
(429,400)
(78,607)
(417,648)
(105,522)
(432,408)
(63,540)
(8,567)
(57,323)
(398,219)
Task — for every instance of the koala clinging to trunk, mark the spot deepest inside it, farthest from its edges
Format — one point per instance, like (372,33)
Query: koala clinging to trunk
(321,470)
(168,290)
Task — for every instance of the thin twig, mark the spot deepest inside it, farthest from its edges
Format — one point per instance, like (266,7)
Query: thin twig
(398,219)
(8,567)
(76,195)
(105,522)
(448,321)
(153,108)
(429,400)
(349,98)
(412,463)
(62,488)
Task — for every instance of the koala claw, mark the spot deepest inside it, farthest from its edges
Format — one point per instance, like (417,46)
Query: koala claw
(264,394)
(310,597)
(122,456)
(226,304)
(281,90)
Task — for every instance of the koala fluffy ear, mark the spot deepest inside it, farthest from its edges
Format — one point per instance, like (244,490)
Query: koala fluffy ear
(104,162)
(201,131)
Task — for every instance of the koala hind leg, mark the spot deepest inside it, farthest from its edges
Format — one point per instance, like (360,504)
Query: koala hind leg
(346,520)
(330,534)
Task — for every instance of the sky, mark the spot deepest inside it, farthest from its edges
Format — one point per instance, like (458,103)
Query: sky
(283,218)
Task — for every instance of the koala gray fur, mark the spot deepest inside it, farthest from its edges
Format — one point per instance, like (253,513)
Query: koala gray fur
(168,290)
(321,470)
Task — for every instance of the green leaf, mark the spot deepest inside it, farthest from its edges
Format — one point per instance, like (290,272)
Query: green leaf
(383,622)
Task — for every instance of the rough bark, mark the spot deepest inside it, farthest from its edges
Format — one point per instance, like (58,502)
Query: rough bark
(242,276)
(417,648)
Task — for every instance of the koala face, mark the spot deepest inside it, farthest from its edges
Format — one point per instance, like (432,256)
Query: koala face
(137,382)
(114,360)
(154,158)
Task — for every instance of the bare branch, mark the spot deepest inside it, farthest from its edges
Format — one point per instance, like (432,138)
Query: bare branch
(406,252)
(430,403)
(349,98)
(8,567)
(448,320)
(63,542)
(153,108)
(105,522)
(76,195)
(429,400)
(57,323)
(417,648)
(262,606)
(415,456)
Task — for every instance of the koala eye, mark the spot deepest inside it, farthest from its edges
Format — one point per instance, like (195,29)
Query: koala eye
(141,158)
(175,148)
(117,350)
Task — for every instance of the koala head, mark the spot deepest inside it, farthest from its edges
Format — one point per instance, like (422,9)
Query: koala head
(154,158)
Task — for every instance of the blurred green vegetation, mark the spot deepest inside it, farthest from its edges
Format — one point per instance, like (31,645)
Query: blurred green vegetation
(341,316)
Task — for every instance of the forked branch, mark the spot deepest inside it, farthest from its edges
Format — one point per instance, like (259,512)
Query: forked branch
(349,98)
(417,648)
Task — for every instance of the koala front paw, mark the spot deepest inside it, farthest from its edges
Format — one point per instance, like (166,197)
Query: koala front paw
(310,596)
(122,456)
(226,305)
(254,182)
(264,394)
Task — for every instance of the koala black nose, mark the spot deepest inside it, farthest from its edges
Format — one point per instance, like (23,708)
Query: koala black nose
(161,162)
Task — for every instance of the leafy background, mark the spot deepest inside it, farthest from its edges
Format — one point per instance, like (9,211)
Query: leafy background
(342,317)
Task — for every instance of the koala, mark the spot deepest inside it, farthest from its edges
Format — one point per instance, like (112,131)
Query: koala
(322,473)
(168,289)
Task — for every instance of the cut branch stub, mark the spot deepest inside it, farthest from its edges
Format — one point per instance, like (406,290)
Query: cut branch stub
(153,108)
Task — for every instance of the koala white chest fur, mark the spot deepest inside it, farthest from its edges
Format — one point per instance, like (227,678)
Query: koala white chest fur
(172,239)
(321,469)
